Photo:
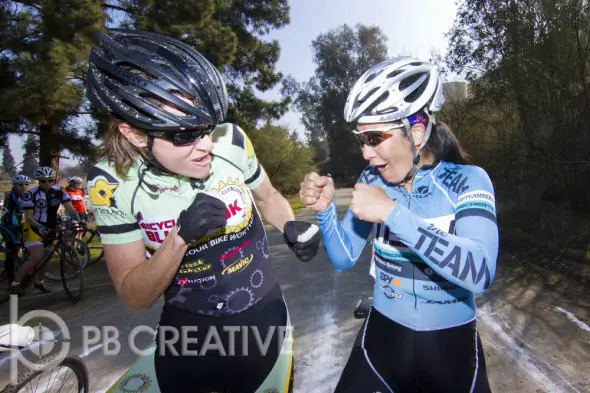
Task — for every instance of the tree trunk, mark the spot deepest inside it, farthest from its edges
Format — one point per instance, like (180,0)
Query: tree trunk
(49,149)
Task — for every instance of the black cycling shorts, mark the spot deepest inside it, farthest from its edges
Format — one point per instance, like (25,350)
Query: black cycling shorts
(389,357)
(222,366)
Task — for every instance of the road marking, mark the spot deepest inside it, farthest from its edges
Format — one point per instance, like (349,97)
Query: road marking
(90,350)
(320,350)
(523,359)
(573,318)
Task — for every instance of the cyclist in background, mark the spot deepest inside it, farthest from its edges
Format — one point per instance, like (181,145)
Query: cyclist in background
(12,221)
(76,194)
(40,205)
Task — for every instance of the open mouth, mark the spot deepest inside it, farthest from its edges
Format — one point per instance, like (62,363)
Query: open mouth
(203,160)
(382,168)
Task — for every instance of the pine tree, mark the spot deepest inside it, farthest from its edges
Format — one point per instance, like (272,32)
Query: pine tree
(31,155)
(45,44)
(341,56)
(8,161)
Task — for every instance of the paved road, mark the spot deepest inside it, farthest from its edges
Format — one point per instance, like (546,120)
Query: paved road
(531,322)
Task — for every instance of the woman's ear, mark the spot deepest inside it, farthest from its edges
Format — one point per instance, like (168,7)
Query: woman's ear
(135,137)
(418,130)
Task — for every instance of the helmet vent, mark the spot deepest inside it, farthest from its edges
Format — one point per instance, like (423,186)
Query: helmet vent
(413,96)
(394,73)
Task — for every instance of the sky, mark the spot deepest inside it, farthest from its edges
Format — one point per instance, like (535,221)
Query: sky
(413,28)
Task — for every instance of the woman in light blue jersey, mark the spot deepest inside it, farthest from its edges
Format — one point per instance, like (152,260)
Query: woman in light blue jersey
(435,236)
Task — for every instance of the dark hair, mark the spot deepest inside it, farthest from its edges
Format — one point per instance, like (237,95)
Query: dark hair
(444,146)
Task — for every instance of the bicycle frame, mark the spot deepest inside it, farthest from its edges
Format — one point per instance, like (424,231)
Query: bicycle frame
(59,243)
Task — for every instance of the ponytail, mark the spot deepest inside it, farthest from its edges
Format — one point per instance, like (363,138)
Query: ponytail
(444,146)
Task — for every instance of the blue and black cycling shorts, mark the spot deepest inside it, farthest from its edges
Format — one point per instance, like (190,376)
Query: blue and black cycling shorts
(389,357)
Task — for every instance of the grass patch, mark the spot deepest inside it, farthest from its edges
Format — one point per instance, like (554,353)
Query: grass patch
(295,202)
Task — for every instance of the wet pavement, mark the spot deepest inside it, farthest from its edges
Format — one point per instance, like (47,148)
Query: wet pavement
(532,322)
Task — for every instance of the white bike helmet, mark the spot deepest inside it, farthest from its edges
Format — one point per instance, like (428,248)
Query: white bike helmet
(22,179)
(394,90)
(75,179)
(44,173)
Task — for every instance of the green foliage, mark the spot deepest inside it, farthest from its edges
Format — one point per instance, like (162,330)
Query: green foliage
(341,56)
(44,48)
(526,119)
(228,33)
(285,159)
(44,45)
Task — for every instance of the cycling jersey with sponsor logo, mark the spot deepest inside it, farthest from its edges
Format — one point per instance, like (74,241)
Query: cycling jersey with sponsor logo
(222,274)
(435,250)
(44,204)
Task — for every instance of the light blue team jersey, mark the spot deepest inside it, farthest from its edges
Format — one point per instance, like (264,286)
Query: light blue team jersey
(435,250)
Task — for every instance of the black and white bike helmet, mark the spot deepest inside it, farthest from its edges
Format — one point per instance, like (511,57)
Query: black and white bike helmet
(133,73)
(44,173)
(393,90)
(22,179)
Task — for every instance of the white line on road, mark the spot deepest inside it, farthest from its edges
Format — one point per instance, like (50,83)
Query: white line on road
(525,360)
(90,350)
(573,318)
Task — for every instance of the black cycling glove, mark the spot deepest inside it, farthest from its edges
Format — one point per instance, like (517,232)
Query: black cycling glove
(302,238)
(205,215)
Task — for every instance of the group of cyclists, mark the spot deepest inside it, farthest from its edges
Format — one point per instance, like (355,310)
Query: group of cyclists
(30,217)
(178,197)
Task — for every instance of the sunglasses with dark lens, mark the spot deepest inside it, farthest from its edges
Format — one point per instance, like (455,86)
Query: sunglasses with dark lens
(372,138)
(183,138)
(22,184)
(47,181)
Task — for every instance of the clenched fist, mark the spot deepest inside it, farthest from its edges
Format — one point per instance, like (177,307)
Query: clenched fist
(370,203)
(317,191)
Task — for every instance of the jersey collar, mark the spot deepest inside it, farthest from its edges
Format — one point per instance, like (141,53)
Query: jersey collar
(155,182)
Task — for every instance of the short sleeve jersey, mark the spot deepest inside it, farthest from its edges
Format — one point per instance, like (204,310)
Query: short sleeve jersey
(44,204)
(77,197)
(222,274)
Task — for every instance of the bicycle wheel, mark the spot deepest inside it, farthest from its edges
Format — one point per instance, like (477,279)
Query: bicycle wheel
(82,250)
(83,255)
(72,273)
(54,270)
(92,239)
(48,377)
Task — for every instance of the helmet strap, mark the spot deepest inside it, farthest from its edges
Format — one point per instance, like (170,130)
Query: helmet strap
(153,161)
(155,165)
(416,151)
